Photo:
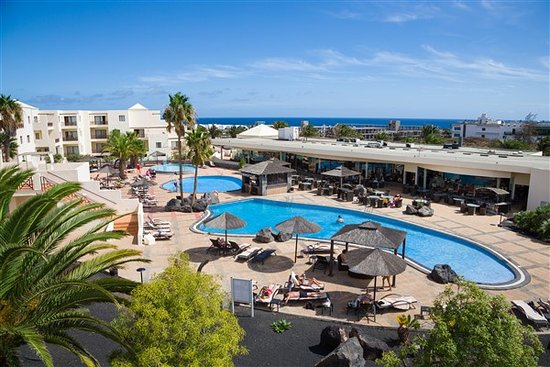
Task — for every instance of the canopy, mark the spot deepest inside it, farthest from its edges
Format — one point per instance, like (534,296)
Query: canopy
(297,225)
(375,262)
(225,221)
(494,190)
(269,167)
(341,172)
(260,131)
(156,153)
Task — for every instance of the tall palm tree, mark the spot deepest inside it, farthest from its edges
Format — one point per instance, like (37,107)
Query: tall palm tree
(49,256)
(123,147)
(199,150)
(137,149)
(280,124)
(309,131)
(11,116)
(179,114)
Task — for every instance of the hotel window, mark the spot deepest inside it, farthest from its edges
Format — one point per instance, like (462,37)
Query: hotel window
(72,150)
(100,120)
(37,136)
(70,120)
(456,128)
(158,144)
(35,119)
(21,139)
(482,129)
(482,135)
(121,118)
(28,138)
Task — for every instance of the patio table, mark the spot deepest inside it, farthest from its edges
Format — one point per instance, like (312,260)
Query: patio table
(472,208)
(458,201)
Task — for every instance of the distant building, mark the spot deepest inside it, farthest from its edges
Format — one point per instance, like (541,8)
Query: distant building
(487,128)
(393,129)
(67,132)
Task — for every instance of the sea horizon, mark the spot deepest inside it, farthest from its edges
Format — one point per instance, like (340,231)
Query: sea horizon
(329,121)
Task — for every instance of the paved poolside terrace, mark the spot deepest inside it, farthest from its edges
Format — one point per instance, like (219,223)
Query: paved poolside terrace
(530,254)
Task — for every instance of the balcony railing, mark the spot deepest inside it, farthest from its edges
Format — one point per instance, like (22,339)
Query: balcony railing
(70,138)
(99,136)
(70,124)
(94,122)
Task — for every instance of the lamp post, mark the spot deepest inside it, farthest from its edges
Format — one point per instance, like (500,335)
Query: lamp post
(140,271)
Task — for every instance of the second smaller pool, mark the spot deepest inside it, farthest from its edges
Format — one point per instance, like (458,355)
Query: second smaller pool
(207,184)
(173,168)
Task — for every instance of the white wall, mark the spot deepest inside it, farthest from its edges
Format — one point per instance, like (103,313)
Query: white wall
(539,188)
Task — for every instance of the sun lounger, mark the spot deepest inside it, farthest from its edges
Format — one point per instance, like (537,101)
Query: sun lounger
(262,256)
(316,249)
(157,221)
(304,296)
(248,253)
(267,294)
(532,315)
(396,301)
(294,283)
(238,248)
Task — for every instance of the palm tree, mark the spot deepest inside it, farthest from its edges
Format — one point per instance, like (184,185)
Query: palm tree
(199,150)
(234,130)
(48,271)
(11,116)
(122,146)
(179,114)
(137,148)
(214,131)
(6,139)
(309,131)
(344,131)
(280,124)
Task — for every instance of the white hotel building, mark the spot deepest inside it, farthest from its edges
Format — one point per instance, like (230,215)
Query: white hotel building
(81,132)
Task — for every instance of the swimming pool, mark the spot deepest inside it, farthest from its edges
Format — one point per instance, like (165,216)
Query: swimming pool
(207,184)
(173,168)
(424,246)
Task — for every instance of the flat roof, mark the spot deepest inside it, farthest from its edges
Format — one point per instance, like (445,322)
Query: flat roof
(471,158)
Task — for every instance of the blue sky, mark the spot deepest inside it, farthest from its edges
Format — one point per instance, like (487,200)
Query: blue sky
(436,59)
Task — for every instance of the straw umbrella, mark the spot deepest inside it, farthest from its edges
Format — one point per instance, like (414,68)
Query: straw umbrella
(341,172)
(297,225)
(141,182)
(375,263)
(225,221)
(108,170)
(369,234)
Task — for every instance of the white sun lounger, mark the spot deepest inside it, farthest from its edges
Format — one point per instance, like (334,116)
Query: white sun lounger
(530,313)
(157,221)
(248,253)
(396,301)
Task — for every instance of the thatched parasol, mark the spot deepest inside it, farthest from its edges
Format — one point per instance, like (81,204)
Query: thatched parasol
(225,221)
(375,262)
(341,172)
(297,225)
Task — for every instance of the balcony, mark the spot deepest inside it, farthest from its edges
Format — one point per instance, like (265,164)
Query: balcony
(98,122)
(69,125)
(98,137)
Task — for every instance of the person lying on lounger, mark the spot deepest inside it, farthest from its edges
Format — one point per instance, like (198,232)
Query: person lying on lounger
(303,280)
(295,295)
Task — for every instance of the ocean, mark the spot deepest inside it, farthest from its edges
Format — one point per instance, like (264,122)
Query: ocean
(320,121)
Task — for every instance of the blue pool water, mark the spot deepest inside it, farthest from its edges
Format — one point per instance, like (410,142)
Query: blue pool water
(424,246)
(207,184)
(173,168)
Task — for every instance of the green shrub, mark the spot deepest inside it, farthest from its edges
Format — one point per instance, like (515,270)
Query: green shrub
(535,221)
(281,326)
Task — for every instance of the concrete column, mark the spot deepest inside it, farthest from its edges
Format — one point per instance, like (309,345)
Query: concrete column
(366,170)
(425,179)
(498,182)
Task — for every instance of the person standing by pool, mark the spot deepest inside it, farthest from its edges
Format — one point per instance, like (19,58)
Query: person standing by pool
(176,185)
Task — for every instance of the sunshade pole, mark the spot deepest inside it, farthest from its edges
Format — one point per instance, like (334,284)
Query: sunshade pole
(296,249)
(331,261)
(226,236)
(374,298)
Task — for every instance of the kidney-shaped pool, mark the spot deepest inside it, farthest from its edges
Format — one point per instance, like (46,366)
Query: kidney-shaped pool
(425,247)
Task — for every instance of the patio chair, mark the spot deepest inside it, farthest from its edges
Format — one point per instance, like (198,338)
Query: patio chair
(532,315)
(248,253)
(262,256)
(216,245)
(396,301)
(162,235)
